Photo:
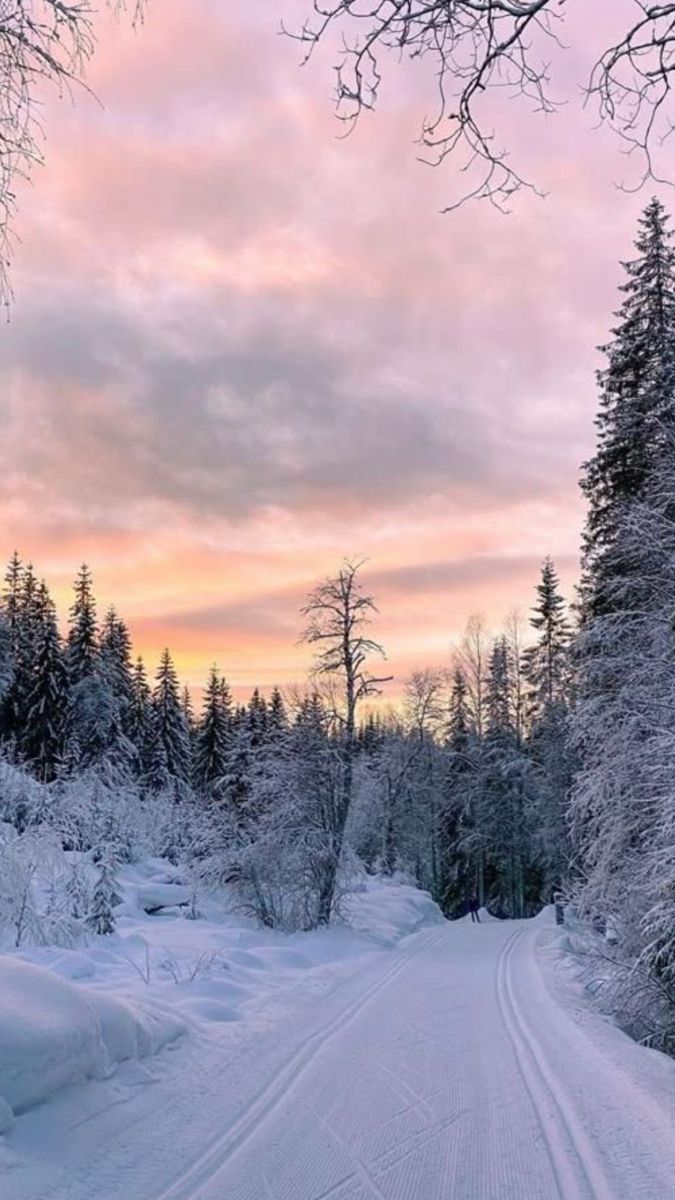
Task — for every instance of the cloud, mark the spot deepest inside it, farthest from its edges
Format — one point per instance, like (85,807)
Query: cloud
(236,332)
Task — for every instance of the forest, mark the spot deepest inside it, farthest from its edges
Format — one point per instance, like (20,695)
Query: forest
(539,760)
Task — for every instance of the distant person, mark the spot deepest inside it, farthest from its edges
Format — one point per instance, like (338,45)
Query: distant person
(474,909)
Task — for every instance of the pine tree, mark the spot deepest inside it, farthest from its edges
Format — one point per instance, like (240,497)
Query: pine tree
(625,671)
(460,725)
(277,718)
(42,739)
(9,610)
(548,674)
(82,647)
(27,632)
(188,709)
(95,735)
(506,793)
(12,591)
(212,737)
(637,400)
(169,753)
(234,787)
(101,918)
(6,664)
(115,654)
(547,662)
(139,714)
(257,717)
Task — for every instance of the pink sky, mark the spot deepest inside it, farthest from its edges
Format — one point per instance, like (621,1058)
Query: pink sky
(243,348)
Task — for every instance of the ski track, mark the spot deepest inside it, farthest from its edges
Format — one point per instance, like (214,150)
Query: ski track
(444,1070)
(577,1173)
(276,1090)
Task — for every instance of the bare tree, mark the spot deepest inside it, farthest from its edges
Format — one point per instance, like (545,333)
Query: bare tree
(482,47)
(425,703)
(338,613)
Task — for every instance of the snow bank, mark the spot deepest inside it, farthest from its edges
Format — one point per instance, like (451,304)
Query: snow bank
(389,910)
(53,1033)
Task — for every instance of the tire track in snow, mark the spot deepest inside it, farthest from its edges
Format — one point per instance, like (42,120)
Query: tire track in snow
(277,1089)
(577,1171)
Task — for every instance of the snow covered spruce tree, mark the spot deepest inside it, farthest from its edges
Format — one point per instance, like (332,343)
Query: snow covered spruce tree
(635,413)
(42,739)
(169,756)
(621,808)
(169,767)
(548,673)
(105,897)
(139,717)
(211,743)
(463,839)
(95,735)
(506,796)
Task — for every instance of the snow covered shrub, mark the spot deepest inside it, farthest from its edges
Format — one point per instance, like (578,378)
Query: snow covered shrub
(105,897)
(34,902)
(23,801)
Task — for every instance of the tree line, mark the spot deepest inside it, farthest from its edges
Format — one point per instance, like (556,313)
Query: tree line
(287,797)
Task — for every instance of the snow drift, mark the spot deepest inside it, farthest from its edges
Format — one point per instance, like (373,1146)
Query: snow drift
(54,1033)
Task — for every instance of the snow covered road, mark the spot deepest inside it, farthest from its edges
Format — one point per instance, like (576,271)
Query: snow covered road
(454,1075)
(442,1070)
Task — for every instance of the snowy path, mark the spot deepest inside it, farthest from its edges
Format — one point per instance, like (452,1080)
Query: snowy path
(443,1071)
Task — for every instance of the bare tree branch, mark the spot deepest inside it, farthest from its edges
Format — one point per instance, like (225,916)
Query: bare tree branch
(40,41)
(481,47)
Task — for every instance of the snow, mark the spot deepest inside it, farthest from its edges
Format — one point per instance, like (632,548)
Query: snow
(161,895)
(68,1015)
(53,1033)
(393,1057)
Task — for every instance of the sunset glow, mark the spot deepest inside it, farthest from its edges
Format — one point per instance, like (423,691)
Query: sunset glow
(243,348)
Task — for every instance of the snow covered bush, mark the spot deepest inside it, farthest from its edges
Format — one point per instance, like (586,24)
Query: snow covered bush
(35,904)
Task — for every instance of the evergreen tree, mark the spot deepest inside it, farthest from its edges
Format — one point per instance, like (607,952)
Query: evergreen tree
(6,664)
(460,724)
(12,591)
(139,714)
(548,673)
(26,636)
(169,764)
(10,616)
(547,662)
(257,717)
(82,646)
(188,709)
(234,787)
(212,736)
(277,719)
(42,739)
(637,394)
(105,898)
(625,669)
(506,795)
(115,655)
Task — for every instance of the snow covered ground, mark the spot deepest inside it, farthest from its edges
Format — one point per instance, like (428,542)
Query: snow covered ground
(400,1057)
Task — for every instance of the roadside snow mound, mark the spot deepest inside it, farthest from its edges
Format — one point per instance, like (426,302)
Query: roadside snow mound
(389,910)
(53,1033)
